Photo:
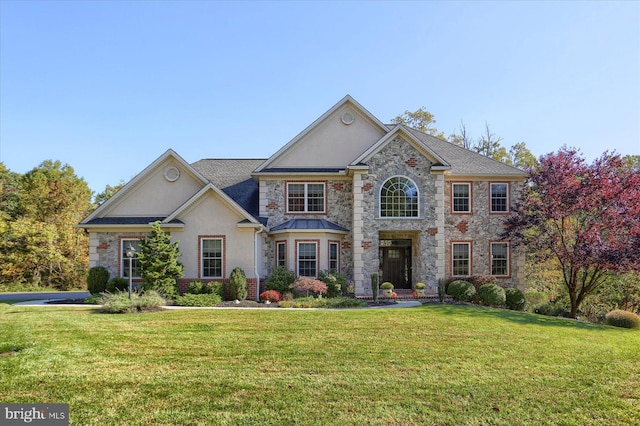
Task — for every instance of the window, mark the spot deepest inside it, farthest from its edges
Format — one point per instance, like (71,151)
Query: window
(308,259)
(211,252)
(500,259)
(499,197)
(305,197)
(281,253)
(334,257)
(461,197)
(125,243)
(399,198)
(461,259)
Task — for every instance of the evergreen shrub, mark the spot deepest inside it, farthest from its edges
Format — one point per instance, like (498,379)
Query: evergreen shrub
(620,318)
(491,295)
(461,291)
(514,299)
(97,279)
(237,285)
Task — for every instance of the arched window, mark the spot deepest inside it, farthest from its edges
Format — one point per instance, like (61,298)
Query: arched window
(399,198)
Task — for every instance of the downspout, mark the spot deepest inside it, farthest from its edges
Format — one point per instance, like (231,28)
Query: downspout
(255,260)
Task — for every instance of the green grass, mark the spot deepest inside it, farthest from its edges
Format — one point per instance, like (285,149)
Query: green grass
(440,365)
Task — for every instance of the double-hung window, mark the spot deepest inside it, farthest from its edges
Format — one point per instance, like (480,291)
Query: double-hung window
(461,259)
(281,253)
(334,256)
(499,197)
(500,259)
(305,197)
(125,245)
(461,197)
(212,257)
(307,259)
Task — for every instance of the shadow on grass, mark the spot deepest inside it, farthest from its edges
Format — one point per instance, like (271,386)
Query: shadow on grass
(525,318)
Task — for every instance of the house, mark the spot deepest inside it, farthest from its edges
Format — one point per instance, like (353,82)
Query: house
(349,193)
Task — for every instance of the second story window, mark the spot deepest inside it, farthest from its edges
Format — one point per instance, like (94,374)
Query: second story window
(305,197)
(461,197)
(499,198)
(399,198)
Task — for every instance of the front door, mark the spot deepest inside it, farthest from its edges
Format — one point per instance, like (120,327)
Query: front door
(395,262)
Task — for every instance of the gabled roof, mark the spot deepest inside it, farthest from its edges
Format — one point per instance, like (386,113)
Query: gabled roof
(202,193)
(398,129)
(465,162)
(344,101)
(128,187)
(226,172)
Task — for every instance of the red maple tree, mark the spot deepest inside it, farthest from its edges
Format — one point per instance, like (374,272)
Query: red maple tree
(587,216)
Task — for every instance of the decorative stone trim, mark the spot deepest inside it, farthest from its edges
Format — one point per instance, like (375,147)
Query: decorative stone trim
(367,245)
(367,187)
(432,231)
(412,162)
(463,226)
(272,205)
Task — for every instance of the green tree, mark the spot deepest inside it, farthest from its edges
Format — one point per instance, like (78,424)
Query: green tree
(109,191)
(421,119)
(158,258)
(40,242)
(489,145)
(521,157)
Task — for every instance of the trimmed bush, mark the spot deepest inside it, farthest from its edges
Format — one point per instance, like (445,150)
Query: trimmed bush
(549,308)
(97,279)
(271,296)
(374,287)
(202,299)
(514,299)
(199,287)
(119,303)
(491,295)
(620,318)
(118,284)
(442,290)
(461,291)
(386,286)
(237,285)
(280,280)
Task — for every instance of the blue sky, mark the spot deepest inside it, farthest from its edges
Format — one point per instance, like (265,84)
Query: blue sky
(108,86)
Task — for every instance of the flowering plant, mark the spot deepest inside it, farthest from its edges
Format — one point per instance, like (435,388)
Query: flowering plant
(271,296)
(394,295)
(304,284)
(351,288)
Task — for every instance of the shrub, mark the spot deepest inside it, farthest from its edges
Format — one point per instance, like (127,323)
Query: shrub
(534,298)
(336,283)
(280,279)
(198,287)
(201,299)
(461,291)
(97,279)
(480,280)
(551,309)
(309,285)
(237,284)
(514,299)
(119,303)
(271,296)
(491,295)
(442,290)
(374,287)
(620,318)
(386,286)
(420,286)
(118,284)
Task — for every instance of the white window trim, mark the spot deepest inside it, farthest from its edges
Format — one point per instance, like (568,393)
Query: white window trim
(469,254)
(202,240)
(508,274)
(398,217)
(317,258)
(491,210)
(337,244)
(468,185)
(306,197)
(284,245)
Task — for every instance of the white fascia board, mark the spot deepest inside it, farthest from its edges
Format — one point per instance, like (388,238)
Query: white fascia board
(201,193)
(306,131)
(140,177)
(388,137)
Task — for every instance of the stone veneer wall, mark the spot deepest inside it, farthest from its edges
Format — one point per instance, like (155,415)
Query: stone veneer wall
(400,158)
(481,228)
(107,249)
(339,211)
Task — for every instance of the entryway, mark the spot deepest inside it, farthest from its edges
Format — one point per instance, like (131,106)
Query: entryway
(395,262)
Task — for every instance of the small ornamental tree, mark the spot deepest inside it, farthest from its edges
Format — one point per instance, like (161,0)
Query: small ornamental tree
(309,285)
(237,284)
(158,258)
(585,216)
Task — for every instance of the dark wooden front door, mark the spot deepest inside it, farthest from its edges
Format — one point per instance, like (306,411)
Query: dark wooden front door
(395,264)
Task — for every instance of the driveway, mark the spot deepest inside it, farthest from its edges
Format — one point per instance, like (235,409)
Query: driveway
(52,295)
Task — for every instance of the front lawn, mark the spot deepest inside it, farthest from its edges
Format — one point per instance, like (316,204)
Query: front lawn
(436,364)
